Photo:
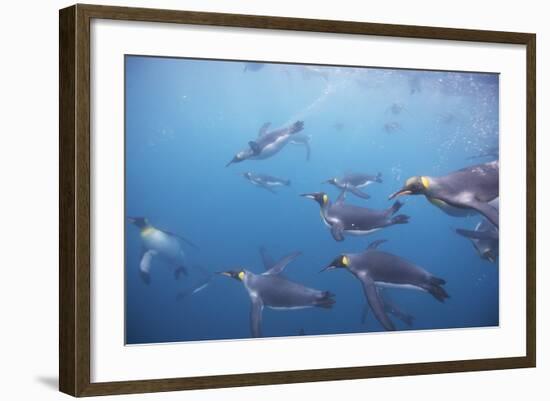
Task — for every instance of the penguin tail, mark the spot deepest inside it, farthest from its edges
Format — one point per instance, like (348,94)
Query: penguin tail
(179,271)
(434,288)
(326,300)
(400,219)
(297,127)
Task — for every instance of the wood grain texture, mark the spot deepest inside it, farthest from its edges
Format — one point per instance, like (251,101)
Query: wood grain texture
(74,198)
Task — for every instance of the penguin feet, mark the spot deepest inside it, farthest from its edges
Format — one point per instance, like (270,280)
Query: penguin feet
(326,300)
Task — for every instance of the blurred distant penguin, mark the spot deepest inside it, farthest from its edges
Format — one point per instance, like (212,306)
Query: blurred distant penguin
(265,181)
(374,269)
(273,290)
(461,192)
(164,244)
(268,142)
(353,181)
(343,219)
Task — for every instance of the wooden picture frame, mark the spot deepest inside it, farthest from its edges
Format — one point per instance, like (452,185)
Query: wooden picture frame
(75,207)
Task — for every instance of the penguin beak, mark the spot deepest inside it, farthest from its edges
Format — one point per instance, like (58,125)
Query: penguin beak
(309,196)
(329,267)
(402,191)
(131,220)
(226,274)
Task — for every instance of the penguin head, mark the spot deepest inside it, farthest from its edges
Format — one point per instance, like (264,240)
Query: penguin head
(236,274)
(247,175)
(413,186)
(341,261)
(320,197)
(140,222)
(239,157)
(331,181)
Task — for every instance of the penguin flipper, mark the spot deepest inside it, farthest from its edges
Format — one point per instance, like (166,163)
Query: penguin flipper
(486,210)
(256,316)
(357,192)
(266,259)
(342,197)
(278,267)
(337,231)
(145,265)
(256,150)
(376,303)
(375,244)
(263,129)
(483,235)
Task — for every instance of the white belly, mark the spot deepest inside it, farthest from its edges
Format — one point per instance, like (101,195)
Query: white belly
(165,245)
(401,286)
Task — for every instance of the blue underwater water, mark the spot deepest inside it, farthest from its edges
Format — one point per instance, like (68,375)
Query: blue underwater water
(186,119)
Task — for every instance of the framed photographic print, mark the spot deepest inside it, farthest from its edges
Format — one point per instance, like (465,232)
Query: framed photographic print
(251,200)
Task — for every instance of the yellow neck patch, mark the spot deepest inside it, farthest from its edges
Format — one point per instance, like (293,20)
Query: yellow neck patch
(241,276)
(148,230)
(425,182)
(345,260)
(325,199)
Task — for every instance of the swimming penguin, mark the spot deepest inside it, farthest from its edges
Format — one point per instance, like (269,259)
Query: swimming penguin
(271,289)
(374,269)
(461,192)
(265,181)
(268,142)
(353,181)
(389,307)
(164,244)
(354,220)
(484,237)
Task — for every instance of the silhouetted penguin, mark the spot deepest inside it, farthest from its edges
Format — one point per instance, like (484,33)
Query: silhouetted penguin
(484,238)
(353,181)
(461,192)
(268,142)
(354,220)
(271,289)
(161,243)
(265,181)
(374,268)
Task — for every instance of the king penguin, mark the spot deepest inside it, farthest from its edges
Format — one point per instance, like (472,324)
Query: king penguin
(268,142)
(159,243)
(271,289)
(354,220)
(460,193)
(374,269)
